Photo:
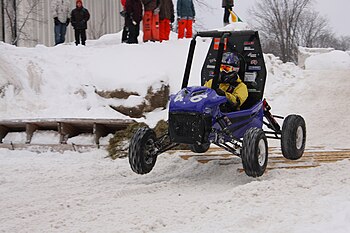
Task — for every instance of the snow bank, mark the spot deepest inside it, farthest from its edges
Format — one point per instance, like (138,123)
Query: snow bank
(304,53)
(334,60)
(62,81)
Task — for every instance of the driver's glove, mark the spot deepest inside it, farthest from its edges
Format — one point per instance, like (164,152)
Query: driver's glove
(220,92)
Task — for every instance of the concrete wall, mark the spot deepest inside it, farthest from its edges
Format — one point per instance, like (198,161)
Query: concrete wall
(105,19)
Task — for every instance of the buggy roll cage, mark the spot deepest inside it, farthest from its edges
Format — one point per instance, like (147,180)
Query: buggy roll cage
(271,122)
(217,34)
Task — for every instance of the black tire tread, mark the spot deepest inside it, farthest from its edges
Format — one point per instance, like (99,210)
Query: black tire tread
(202,148)
(288,138)
(249,157)
(136,155)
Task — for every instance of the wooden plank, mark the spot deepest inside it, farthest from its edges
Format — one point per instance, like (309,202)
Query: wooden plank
(38,148)
(99,131)
(30,129)
(83,125)
(66,131)
(3,132)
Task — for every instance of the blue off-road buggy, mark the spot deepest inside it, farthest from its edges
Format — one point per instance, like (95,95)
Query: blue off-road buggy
(196,116)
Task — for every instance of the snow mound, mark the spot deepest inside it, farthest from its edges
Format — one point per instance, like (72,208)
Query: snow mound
(236,26)
(334,60)
(280,76)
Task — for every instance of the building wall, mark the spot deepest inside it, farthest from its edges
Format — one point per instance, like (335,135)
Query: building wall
(1,22)
(105,19)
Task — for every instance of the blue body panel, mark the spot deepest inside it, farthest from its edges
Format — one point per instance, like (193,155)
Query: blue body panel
(205,101)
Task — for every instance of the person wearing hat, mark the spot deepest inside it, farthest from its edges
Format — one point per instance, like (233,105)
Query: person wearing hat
(60,10)
(230,84)
(79,18)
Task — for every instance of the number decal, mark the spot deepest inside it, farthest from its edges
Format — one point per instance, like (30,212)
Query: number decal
(198,98)
(179,97)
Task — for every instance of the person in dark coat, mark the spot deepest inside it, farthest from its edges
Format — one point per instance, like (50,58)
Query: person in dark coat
(186,15)
(79,18)
(132,19)
(166,16)
(125,33)
(227,5)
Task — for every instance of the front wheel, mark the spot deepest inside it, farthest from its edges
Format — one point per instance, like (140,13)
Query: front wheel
(142,151)
(254,152)
(293,137)
(201,148)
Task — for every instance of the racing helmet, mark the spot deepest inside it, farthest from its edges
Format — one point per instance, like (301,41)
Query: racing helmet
(229,68)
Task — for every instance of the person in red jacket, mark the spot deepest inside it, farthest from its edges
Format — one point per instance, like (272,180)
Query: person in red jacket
(166,17)
(132,19)
(151,20)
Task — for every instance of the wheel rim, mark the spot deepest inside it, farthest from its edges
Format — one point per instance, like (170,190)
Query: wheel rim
(261,152)
(149,148)
(300,137)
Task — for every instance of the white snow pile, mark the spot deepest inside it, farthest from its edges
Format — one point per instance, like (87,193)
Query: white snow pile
(334,60)
(61,81)
(86,192)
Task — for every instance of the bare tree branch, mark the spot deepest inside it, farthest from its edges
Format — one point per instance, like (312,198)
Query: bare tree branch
(18,20)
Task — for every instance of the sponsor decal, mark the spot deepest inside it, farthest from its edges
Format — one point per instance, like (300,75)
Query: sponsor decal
(248,48)
(211,73)
(250,76)
(210,66)
(212,60)
(249,43)
(217,43)
(254,68)
(252,55)
(254,62)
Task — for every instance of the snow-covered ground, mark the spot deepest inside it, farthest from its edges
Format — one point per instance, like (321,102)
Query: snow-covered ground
(86,192)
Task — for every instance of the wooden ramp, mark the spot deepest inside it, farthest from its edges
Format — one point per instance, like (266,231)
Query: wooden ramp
(312,157)
(66,128)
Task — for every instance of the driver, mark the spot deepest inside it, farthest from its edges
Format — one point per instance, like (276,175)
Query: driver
(230,84)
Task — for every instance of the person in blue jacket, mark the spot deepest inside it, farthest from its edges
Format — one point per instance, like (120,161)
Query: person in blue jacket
(185,18)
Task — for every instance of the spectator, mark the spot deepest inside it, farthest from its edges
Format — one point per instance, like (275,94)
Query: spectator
(186,16)
(227,5)
(60,10)
(80,16)
(151,20)
(166,17)
(133,19)
(125,33)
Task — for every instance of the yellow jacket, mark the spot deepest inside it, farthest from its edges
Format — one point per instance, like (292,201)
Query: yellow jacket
(240,92)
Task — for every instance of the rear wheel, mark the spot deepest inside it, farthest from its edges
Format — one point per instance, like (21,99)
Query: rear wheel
(142,151)
(201,148)
(254,152)
(293,137)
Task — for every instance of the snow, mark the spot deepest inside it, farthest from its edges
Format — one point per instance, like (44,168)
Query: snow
(87,192)
(334,60)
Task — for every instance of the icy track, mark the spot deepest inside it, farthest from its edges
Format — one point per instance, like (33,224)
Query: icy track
(74,192)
